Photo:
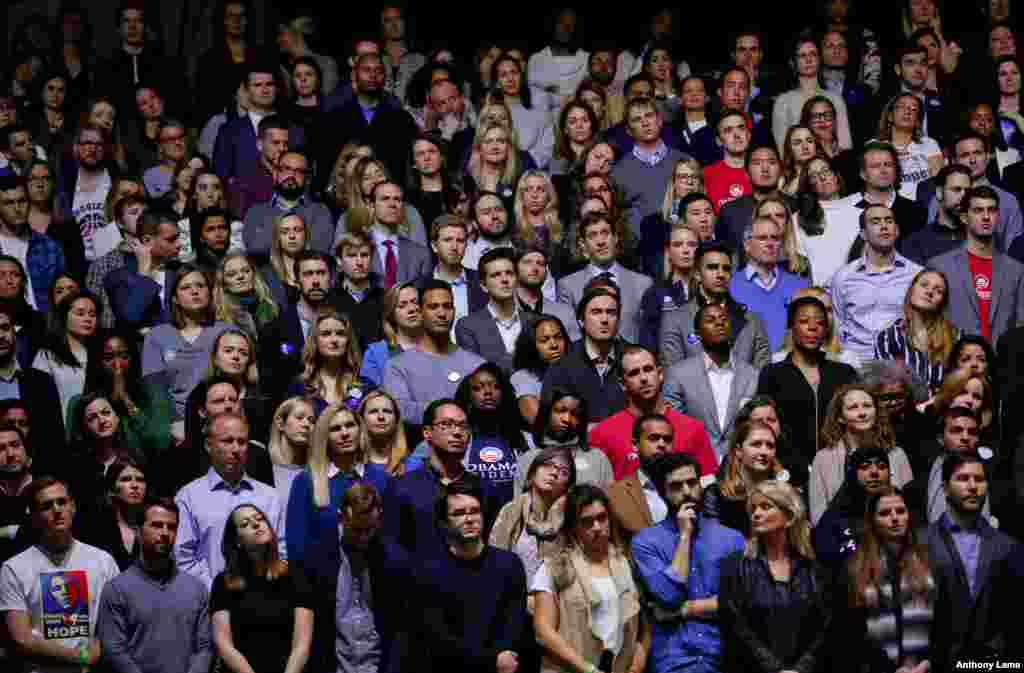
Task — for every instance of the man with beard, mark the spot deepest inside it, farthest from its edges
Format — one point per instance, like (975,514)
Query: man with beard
(557,69)
(841,528)
(286,335)
(290,197)
(678,563)
(492,331)
(39,254)
(492,225)
(946,231)
(258,186)
(472,595)
(532,272)
(388,129)
(711,388)
(960,434)
(15,476)
(34,387)
(985,286)
(642,382)
(967,557)
(446,433)
(50,592)
(152,603)
(436,366)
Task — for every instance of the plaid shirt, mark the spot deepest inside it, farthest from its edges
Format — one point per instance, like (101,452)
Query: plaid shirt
(98,270)
(45,261)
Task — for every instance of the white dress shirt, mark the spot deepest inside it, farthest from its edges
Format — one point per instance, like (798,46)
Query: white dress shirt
(508,329)
(720,379)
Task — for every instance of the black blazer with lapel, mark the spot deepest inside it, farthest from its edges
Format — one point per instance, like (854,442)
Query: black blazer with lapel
(478,333)
(281,357)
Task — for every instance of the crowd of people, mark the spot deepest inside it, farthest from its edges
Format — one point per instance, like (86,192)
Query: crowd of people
(581,360)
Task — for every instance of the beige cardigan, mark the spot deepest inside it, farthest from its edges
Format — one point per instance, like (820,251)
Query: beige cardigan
(829,471)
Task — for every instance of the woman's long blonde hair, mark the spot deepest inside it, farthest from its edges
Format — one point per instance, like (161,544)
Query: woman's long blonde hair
(391,298)
(734,486)
(525,232)
(398,441)
(277,262)
(320,454)
(225,307)
(312,362)
(798,530)
(795,261)
(668,204)
(275,447)
(511,168)
(941,333)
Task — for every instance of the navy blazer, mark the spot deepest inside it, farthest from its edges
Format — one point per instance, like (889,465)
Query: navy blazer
(235,152)
(135,298)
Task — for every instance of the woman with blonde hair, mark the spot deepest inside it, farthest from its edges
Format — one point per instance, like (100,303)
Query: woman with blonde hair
(586,604)
(855,420)
(536,210)
(799,147)
(772,603)
(886,591)
(337,460)
(289,236)
(385,440)
(752,459)
(330,364)
(902,125)
(367,174)
(240,295)
(336,193)
(966,388)
(687,178)
(261,606)
(290,434)
(831,344)
(922,337)
(403,329)
(494,163)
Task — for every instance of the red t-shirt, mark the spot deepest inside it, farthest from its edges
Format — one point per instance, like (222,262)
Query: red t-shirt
(614,436)
(981,277)
(723,184)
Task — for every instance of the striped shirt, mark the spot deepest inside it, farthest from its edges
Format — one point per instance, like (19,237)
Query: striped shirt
(893,343)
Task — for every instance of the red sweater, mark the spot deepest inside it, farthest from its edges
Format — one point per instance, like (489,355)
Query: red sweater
(614,436)
(723,183)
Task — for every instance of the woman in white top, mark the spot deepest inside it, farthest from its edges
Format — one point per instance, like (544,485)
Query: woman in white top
(65,355)
(852,423)
(825,228)
(789,105)
(920,157)
(532,119)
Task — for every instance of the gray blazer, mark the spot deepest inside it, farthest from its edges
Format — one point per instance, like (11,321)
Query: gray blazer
(632,286)
(478,333)
(1007,307)
(677,339)
(413,261)
(688,391)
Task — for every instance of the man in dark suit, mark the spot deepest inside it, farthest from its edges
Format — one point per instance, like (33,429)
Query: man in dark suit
(236,152)
(285,336)
(492,331)
(257,186)
(390,130)
(967,557)
(397,258)
(139,292)
(689,387)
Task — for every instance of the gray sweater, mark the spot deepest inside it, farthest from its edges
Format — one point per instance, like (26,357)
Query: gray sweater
(168,358)
(643,186)
(147,626)
(415,378)
(259,224)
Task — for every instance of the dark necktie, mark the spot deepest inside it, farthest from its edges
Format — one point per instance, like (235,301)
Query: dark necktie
(390,265)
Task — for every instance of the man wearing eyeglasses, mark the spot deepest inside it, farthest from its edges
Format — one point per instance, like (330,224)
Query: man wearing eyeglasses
(411,508)
(88,184)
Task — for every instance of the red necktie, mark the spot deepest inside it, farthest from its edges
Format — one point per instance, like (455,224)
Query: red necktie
(390,265)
